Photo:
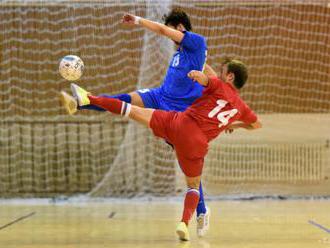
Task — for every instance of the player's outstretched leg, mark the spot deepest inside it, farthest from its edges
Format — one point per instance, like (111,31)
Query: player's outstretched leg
(203,214)
(71,106)
(112,105)
(123,97)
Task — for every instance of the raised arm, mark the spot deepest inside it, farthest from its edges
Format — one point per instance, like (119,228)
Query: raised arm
(156,27)
(208,71)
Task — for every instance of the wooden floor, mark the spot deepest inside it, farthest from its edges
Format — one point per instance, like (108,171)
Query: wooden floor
(234,224)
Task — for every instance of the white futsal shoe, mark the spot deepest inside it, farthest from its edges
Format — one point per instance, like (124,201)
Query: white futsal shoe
(203,223)
(80,94)
(182,231)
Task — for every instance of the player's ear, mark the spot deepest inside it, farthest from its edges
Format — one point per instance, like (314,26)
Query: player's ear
(230,77)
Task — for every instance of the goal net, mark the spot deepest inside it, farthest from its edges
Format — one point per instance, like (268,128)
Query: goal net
(44,152)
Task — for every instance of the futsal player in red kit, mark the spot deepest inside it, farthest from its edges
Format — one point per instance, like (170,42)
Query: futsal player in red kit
(219,108)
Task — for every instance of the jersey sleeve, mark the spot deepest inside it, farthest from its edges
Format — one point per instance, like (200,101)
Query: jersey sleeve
(213,84)
(193,42)
(248,115)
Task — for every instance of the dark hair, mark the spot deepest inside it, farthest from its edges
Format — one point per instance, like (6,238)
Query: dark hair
(177,16)
(238,68)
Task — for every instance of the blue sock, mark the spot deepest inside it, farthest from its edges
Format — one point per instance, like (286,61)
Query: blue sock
(201,209)
(124,97)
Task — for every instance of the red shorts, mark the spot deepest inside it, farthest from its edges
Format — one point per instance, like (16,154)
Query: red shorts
(184,134)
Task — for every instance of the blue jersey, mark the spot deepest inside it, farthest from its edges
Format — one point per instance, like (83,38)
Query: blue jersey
(177,91)
(177,88)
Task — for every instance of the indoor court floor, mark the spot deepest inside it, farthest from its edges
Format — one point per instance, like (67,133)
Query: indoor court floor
(149,224)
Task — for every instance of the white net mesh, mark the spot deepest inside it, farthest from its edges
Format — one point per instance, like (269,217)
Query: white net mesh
(44,152)
(142,164)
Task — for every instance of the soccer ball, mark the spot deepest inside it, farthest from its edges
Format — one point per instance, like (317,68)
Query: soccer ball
(71,67)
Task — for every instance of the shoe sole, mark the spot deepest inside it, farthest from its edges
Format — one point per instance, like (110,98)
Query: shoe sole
(182,235)
(69,106)
(75,94)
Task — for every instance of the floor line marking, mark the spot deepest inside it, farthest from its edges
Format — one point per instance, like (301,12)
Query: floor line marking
(17,220)
(319,226)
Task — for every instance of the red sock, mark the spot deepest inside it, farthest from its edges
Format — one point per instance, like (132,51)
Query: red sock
(113,105)
(190,205)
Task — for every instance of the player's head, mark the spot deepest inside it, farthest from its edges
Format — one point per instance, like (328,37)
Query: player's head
(178,19)
(233,71)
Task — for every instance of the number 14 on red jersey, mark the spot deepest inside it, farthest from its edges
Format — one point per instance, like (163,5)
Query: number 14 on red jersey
(223,116)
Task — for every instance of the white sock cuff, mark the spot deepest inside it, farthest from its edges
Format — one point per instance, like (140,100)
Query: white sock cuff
(128,109)
(137,20)
(193,190)
(125,109)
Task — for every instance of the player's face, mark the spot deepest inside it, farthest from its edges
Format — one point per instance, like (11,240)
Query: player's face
(223,72)
(179,28)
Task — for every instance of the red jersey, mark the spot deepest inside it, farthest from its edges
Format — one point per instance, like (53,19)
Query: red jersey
(219,106)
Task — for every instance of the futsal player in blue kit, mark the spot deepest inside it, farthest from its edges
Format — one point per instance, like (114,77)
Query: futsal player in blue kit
(178,91)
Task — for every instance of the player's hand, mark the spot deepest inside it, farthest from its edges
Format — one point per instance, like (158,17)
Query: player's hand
(198,76)
(194,75)
(130,19)
(229,130)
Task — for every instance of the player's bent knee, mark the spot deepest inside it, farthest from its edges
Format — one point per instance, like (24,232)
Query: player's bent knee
(193,182)
(136,99)
(141,115)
